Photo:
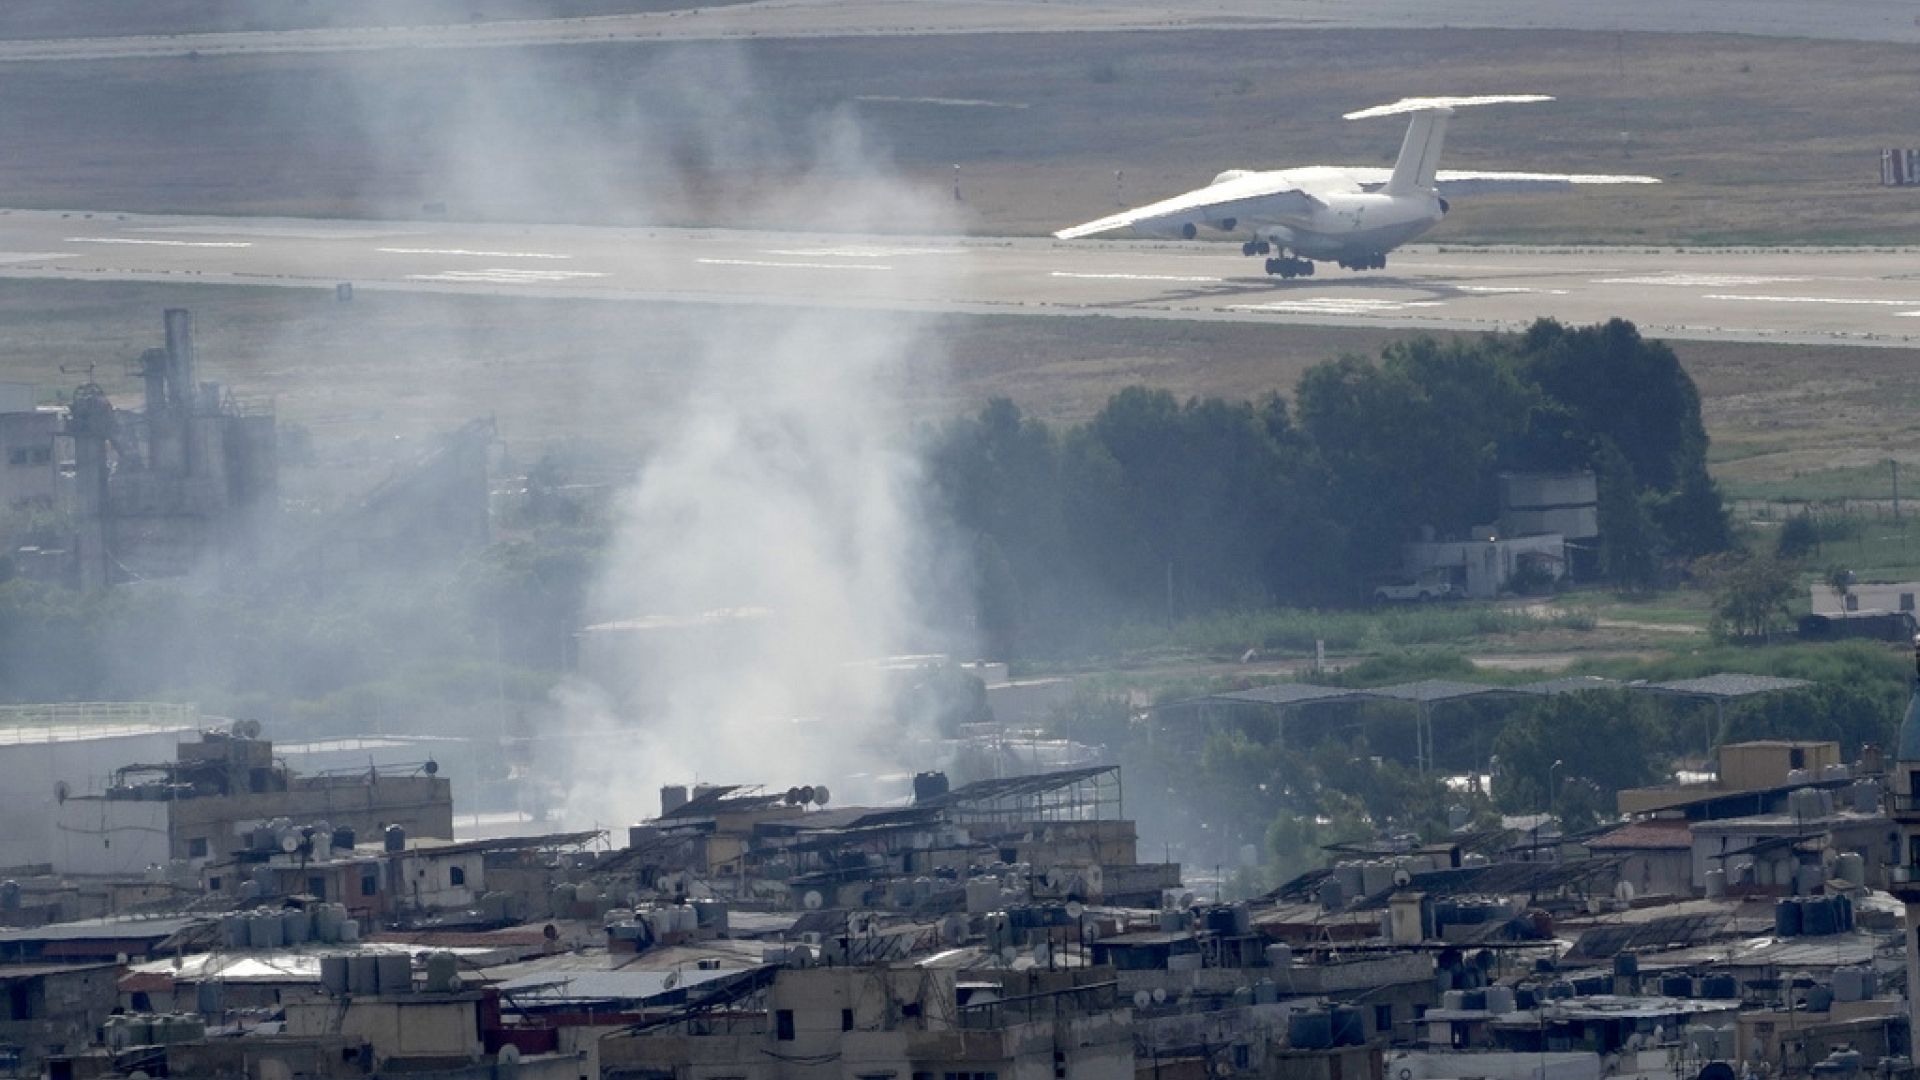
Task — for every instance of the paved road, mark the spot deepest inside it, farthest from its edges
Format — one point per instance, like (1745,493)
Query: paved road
(1856,20)
(1836,296)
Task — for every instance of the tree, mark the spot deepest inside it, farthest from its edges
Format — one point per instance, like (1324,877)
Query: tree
(1751,593)
(1799,538)
(1604,738)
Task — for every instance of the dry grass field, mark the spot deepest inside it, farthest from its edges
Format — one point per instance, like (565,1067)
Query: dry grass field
(1758,140)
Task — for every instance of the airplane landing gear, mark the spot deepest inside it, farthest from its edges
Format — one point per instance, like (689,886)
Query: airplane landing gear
(1289,267)
(1365,262)
(1256,247)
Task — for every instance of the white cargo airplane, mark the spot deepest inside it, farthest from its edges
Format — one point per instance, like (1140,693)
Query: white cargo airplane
(1351,216)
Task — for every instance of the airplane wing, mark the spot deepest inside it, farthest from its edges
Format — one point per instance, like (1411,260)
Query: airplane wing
(1473,182)
(1255,196)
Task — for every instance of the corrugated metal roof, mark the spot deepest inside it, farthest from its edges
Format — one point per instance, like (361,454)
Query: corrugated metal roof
(1283,694)
(1727,685)
(1659,833)
(1428,691)
(1572,684)
(607,986)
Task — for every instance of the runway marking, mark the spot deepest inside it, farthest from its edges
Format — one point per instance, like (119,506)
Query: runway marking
(1178,278)
(862,252)
(474,254)
(1504,290)
(1701,281)
(1337,305)
(34,256)
(507,276)
(1814,300)
(157,243)
(958,103)
(792,265)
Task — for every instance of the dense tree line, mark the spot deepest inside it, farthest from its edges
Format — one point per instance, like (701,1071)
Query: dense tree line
(1159,508)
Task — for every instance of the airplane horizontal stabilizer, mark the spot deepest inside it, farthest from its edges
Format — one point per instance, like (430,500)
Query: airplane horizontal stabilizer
(1427,104)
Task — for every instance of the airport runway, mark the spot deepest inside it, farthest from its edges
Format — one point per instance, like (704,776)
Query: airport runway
(1858,20)
(1839,296)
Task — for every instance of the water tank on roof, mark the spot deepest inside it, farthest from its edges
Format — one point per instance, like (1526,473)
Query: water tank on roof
(1349,1026)
(343,838)
(394,973)
(363,977)
(1310,1029)
(1500,1000)
(333,974)
(1716,883)
(396,839)
(1719,987)
(1851,867)
(1819,999)
(1626,963)
(1676,986)
(263,930)
(443,973)
(1819,916)
(1786,917)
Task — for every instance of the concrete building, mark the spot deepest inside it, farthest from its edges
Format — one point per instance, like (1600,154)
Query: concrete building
(30,449)
(220,795)
(72,747)
(1537,504)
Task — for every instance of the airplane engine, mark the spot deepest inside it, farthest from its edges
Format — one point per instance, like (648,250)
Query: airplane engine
(1180,228)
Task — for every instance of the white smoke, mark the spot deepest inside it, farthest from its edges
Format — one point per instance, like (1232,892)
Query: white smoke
(784,484)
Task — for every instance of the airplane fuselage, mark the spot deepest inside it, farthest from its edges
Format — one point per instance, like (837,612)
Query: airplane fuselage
(1342,220)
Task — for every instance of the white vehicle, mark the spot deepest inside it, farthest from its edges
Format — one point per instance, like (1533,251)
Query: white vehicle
(1425,587)
(1347,215)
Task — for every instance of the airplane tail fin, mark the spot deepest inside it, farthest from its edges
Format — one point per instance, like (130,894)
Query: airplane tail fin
(1419,157)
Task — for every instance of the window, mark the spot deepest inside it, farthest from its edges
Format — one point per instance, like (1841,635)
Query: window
(17,456)
(1383,1018)
(1906,601)
(213,884)
(197,848)
(369,885)
(456,875)
(1853,602)
(317,887)
(42,456)
(846,1022)
(1796,758)
(783,1025)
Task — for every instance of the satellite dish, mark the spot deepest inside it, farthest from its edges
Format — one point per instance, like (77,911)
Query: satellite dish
(1402,878)
(453,983)
(550,932)
(1159,995)
(820,794)
(1008,955)
(812,901)
(290,843)
(806,794)
(431,768)
(61,789)
(1223,1068)
(672,980)
(509,1056)
(1142,999)
(1041,954)
(793,796)
(1717,1070)
(1075,909)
